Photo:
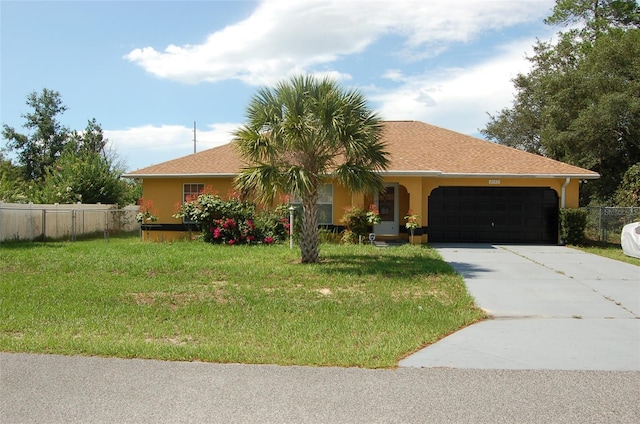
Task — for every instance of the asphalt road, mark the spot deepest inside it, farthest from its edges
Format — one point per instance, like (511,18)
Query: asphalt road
(61,389)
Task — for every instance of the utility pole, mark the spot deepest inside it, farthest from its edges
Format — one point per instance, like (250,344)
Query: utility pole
(194,136)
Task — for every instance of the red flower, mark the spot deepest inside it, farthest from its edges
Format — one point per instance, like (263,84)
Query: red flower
(268,240)
(216,233)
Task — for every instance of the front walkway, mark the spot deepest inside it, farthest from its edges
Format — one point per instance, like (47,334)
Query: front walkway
(553,307)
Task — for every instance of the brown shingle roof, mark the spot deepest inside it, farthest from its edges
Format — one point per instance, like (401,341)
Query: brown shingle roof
(221,160)
(414,148)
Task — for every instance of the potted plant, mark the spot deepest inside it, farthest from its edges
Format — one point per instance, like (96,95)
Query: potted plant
(412,222)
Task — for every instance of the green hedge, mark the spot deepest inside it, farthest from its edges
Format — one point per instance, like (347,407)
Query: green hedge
(573,223)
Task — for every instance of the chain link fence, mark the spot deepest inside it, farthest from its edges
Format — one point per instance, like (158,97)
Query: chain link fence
(605,224)
(64,222)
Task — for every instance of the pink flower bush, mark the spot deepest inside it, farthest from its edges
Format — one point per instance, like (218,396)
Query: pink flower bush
(233,221)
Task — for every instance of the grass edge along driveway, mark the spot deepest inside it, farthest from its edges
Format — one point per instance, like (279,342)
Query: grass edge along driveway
(360,307)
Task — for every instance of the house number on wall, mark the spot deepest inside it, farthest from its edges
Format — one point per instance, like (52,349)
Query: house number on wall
(494,182)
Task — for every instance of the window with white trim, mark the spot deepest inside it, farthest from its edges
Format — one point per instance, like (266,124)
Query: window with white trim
(191,192)
(325,204)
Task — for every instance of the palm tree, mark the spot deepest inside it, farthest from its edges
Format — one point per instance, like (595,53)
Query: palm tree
(300,133)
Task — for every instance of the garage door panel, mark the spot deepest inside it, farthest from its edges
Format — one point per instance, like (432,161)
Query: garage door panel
(493,214)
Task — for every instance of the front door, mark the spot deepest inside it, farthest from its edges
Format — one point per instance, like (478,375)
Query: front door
(387,203)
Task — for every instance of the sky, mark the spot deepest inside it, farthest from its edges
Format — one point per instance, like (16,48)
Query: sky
(148,70)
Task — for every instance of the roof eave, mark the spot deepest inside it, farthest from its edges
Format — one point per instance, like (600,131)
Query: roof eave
(391,173)
(415,173)
(196,175)
(507,175)
(434,173)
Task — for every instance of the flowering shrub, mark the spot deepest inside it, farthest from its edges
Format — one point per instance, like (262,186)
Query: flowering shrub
(234,221)
(232,231)
(274,225)
(358,222)
(146,212)
(373,215)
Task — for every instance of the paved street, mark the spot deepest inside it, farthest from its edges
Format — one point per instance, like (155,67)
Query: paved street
(58,389)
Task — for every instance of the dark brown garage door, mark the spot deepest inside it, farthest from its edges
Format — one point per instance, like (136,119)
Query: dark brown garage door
(493,215)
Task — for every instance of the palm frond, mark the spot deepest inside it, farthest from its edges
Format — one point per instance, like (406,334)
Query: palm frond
(263,181)
(300,181)
(359,178)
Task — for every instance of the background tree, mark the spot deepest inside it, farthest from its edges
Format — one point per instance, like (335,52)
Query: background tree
(91,140)
(86,177)
(300,133)
(10,179)
(57,165)
(597,16)
(41,148)
(580,103)
(628,193)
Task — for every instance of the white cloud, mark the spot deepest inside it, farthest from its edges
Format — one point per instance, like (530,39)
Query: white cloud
(284,37)
(147,145)
(457,98)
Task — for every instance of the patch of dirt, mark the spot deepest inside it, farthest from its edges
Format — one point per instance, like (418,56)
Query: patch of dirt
(176,300)
(417,292)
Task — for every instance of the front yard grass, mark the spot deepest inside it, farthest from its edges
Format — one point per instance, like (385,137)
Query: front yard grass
(362,306)
(608,250)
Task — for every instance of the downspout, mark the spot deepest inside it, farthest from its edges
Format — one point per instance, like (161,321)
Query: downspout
(563,195)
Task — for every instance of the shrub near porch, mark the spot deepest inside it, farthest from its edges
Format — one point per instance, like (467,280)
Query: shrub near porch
(361,306)
(235,221)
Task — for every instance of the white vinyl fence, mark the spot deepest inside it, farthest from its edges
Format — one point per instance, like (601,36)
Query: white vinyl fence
(64,222)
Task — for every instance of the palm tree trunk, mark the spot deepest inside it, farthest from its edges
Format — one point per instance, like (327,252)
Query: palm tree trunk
(309,236)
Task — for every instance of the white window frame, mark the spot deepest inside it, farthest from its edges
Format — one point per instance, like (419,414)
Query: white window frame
(200,190)
(325,197)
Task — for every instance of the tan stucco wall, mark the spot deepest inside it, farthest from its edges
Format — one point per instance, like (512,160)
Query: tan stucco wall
(342,199)
(166,194)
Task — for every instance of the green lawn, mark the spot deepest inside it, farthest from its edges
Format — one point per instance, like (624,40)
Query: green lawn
(362,306)
(608,250)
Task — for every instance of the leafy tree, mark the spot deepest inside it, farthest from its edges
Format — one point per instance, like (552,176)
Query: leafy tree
(41,148)
(596,15)
(628,193)
(86,177)
(580,102)
(59,165)
(91,140)
(302,131)
(10,179)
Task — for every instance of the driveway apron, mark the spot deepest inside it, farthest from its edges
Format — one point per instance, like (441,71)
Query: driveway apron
(551,307)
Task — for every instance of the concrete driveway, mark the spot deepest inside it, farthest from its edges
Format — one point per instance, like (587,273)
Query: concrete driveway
(553,308)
